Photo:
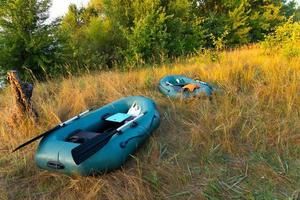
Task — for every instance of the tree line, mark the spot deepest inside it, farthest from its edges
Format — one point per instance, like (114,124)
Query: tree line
(129,33)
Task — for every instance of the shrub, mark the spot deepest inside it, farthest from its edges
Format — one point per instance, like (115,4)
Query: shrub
(284,40)
(147,39)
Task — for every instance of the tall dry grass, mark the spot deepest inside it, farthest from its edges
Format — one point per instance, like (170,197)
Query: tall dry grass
(243,144)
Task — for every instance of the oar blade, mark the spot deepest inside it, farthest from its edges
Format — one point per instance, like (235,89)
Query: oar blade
(89,148)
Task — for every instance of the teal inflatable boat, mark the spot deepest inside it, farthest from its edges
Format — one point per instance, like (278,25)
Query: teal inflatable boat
(100,140)
(182,87)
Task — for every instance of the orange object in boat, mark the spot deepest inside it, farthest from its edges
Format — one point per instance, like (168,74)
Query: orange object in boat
(191,87)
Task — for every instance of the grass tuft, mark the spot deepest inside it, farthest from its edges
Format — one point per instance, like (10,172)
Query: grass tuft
(242,144)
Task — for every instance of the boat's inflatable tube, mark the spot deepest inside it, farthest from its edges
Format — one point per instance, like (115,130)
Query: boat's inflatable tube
(54,151)
(173,86)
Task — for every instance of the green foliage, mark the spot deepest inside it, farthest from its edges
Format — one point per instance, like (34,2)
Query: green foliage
(219,43)
(289,9)
(25,39)
(131,32)
(264,20)
(297,14)
(285,40)
(89,38)
(142,31)
(238,24)
(156,30)
(147,39)
(2,78)
(186,32)
(244,20)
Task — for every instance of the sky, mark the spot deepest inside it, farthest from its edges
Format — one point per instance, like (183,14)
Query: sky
(60,7)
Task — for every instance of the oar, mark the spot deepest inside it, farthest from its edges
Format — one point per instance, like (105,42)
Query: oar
(89,148)
(50,131)
(179,84)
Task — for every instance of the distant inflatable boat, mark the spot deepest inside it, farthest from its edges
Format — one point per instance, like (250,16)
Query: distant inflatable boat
(100,140)
(182,87)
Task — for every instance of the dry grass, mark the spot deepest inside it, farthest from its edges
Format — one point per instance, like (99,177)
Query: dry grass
(244,144)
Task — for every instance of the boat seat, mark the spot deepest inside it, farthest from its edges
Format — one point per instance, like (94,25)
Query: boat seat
(80,136)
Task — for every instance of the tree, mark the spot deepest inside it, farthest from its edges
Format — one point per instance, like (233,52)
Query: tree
(90,40)
(264,19)
(244,20)
(155,29)
(297,14)
(27,42)
(289,8)
(185,29)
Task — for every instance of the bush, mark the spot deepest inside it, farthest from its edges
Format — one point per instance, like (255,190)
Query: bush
(155,30)
(91,40)
(147,39)
(284,40)
(186,33)
(131,32)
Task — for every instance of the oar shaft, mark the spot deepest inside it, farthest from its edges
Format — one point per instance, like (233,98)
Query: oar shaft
(50,131)
(76,117)
(130,122)
(37,137)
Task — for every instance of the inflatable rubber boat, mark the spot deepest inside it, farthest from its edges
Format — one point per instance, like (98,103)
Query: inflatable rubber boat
(182,87)
(100,140)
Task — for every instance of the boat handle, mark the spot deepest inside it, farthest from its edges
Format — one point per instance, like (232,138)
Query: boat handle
(123,144)
(153,118)
(55,165)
